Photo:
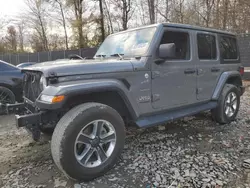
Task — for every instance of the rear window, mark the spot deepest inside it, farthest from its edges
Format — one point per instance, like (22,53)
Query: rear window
(206,46)
(228,48)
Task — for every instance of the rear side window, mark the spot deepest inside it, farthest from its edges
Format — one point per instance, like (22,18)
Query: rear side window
(228,48)
(206,46)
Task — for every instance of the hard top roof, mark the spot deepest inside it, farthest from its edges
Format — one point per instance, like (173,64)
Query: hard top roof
(182,26)
(192,27)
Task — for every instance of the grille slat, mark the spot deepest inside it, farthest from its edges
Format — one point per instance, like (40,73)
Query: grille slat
(32,85)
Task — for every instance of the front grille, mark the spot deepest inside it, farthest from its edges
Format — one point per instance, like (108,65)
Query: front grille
(32,85)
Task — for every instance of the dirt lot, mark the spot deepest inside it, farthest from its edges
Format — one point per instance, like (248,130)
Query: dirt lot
(192,152)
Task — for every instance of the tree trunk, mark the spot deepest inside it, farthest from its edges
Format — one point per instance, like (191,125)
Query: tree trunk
(225,14)
(217,18)
(124,15)
(64,27)
(109,17)
(151,9)
(78,14)
(102,21)
(21,40)
(44,36)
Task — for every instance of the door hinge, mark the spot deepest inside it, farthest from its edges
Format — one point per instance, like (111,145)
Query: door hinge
(155,97)
(155,74)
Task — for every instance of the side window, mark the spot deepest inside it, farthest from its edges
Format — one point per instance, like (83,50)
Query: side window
(228,48)
(181,41)
(206,46)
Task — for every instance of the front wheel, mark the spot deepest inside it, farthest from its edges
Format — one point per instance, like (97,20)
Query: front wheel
(88,140)
(228,105)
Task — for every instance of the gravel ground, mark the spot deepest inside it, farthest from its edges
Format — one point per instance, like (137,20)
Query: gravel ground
(192,152)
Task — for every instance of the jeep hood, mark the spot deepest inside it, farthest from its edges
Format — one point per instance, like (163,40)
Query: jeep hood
(78,67)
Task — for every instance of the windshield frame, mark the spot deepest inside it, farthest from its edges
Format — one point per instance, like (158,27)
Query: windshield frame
(145,54)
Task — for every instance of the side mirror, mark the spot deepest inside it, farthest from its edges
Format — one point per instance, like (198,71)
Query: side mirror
(167,50)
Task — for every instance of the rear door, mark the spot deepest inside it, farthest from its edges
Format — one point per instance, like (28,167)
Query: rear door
(208,64)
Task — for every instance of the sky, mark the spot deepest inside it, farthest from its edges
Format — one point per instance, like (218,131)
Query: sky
(11,8)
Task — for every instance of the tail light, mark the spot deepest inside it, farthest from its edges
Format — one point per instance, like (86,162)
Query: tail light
(241,70)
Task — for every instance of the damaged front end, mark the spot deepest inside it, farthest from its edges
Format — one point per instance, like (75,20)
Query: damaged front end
(28,114)
(33,122)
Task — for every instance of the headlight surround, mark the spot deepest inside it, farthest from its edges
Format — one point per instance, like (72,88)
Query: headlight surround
(52,99)
(43,83)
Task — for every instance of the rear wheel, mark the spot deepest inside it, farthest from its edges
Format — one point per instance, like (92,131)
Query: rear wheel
(88,140)
(228,105)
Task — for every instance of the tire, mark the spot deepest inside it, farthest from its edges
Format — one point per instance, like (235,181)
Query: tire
(6,96)
(63,146)
(226,112)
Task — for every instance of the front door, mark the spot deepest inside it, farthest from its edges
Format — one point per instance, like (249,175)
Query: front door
(208,65)
(174,80)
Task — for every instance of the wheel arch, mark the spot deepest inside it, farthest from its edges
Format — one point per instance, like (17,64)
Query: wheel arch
(111,92)
(232,77)
(111,97)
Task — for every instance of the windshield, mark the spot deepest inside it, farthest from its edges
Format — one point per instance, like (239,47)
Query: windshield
(131,43)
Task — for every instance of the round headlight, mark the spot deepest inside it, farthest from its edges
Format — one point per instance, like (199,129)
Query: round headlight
(43,83)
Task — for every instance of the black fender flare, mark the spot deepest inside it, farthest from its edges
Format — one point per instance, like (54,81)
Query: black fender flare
(222,81)
(72,88)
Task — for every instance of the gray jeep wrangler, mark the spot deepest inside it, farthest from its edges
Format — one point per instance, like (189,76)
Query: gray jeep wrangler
(146,76)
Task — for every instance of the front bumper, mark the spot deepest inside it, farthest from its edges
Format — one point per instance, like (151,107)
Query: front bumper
(31,121)
(25,118)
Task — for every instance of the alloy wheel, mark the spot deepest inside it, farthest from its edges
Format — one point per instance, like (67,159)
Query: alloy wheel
(5,97)
(230,104)
(95,143)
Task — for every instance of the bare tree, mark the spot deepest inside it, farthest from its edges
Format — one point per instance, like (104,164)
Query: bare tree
(164,13)
(206,12)
(151,10)
(11,38)
(21,26)
(125,11)
(108,16)
(217,14)
(78,20)
(101,20)
(225,13)
(37,16)
(59,7)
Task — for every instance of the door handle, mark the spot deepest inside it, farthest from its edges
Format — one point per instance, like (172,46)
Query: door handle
(214,69)
(190,71)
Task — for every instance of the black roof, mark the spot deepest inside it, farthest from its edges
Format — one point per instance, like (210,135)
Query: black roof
(192,27)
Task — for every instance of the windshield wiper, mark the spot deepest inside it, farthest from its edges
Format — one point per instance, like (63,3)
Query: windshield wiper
(101,55)
(117,55)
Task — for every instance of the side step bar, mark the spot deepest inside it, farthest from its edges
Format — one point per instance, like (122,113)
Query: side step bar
(158,119)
